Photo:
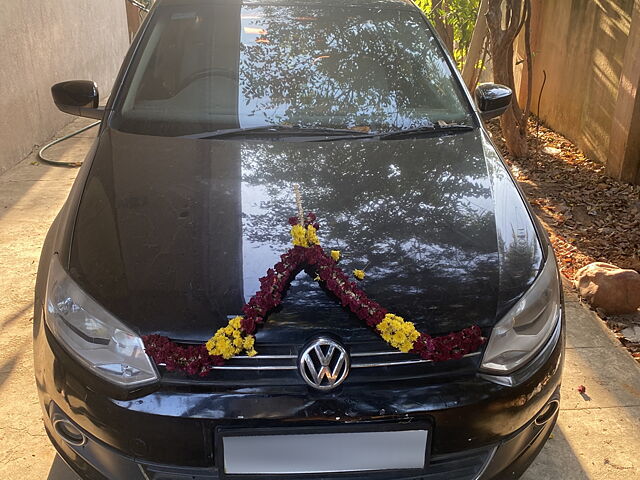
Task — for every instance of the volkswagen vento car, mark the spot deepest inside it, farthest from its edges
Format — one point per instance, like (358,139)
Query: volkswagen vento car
(223,110)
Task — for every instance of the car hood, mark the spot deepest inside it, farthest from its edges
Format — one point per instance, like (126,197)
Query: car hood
(172,234)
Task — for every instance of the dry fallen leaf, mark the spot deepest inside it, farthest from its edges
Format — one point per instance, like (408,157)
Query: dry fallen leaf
(588,215)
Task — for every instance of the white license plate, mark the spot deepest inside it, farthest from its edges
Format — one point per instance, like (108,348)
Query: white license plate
(324,452)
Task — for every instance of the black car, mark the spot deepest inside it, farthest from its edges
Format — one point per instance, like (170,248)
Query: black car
(229,117)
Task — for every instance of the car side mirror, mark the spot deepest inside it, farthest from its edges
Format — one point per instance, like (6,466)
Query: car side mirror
(492,99)
(78,97)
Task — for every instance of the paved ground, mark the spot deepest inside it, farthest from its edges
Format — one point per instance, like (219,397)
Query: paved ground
(597,437)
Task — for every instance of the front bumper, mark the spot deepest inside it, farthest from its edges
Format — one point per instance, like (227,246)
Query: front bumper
(508,459)
(480,429)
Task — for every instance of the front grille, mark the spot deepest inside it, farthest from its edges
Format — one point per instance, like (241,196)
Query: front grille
(278,365)
(358,360)
(467,465)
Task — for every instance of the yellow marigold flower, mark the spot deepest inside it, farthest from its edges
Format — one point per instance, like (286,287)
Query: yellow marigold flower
(299,236)
(236,322)
(335,254)
(249,341)
(312,237)
(398,333)
(386,337)
(359,274)
(229,341)
(304,237)
(221,345)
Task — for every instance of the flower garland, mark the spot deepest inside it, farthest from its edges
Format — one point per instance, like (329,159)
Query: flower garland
(237,336)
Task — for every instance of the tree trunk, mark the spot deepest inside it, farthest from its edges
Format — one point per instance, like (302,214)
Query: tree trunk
(444,30)
(515,142)
(475,47)
(483,61)
(512,16)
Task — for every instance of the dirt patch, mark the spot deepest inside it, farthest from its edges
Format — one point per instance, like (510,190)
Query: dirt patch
(589,216)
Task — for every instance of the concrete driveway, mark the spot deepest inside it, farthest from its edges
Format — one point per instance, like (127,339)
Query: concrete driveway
(597,436)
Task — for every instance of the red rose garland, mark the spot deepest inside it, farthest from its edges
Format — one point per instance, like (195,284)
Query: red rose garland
(237,336)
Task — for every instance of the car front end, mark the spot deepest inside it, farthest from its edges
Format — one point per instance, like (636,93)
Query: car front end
(181,207)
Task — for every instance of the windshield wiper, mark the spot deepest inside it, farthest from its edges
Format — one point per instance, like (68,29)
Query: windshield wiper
(279,129)
(329,134)
(434,129)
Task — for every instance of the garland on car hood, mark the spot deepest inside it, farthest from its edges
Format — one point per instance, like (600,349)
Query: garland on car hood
(306,254)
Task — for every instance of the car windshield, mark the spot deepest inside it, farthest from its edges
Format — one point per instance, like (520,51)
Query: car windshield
(206,66)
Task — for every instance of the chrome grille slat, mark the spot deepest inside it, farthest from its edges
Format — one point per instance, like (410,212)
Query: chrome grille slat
(402,362)
(268,357)
(374,354)
(255,367)
(353,364)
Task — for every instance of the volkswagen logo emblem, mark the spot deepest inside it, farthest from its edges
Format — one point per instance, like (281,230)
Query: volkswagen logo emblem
(324,363)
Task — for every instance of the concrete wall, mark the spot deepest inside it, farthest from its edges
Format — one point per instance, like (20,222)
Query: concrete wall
(581,45)
(48,41)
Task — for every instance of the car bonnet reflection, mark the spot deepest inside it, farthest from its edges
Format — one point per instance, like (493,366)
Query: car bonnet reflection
(173,234)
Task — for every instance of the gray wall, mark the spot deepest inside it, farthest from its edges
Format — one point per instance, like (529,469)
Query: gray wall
(48,41)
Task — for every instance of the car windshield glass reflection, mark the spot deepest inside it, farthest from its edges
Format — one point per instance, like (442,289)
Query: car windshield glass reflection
(208,67)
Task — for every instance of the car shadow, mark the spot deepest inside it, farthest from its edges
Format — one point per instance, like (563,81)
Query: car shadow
(557,460)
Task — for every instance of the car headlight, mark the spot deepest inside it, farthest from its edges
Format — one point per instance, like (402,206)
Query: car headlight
(92,335)
(525,329)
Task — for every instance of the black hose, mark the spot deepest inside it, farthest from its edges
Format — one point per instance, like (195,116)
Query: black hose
(57,163)
(544,80)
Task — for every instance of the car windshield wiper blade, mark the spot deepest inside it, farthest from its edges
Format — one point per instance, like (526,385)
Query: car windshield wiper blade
(434,128)
(288,129)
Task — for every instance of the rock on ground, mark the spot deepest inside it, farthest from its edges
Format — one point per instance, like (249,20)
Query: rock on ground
(615,290)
